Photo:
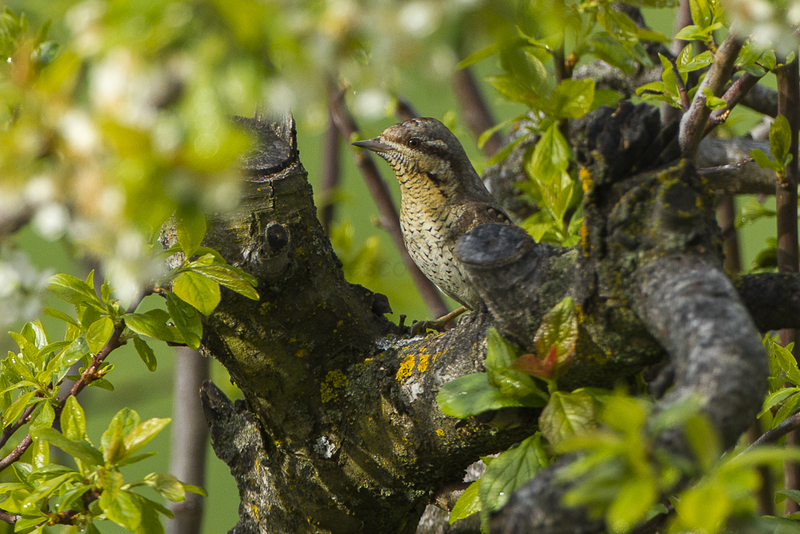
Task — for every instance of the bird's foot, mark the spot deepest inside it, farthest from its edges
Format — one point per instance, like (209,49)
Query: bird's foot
(420,327)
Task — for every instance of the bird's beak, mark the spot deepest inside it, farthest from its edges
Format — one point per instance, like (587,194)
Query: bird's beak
(376,145)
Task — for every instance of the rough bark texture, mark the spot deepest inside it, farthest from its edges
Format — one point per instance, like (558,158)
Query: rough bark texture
(339,430)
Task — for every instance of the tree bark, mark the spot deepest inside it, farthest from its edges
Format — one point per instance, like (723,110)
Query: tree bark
(339,430)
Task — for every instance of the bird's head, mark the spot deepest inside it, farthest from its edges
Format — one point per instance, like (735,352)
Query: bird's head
(422,149)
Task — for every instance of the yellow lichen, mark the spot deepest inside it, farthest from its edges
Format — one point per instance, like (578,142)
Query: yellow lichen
(406,368)
(440,432)
(333,380)
(423,362)
(586,179)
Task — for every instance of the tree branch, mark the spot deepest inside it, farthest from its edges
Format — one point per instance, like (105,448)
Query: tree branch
(694,121)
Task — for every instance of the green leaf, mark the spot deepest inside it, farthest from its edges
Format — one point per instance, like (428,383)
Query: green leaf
(792,494)
(167,485)
(111,441)
(777,398)
(704,441)
(513,90)
(49,486)
(480,55)
(712,101)
(488,133)
(636,497)
(73,290)
(567,415)
(78,448)
(98,334)
(691,64)
(17,407)
(145,353)
(550,156)
(618,25)
(186,319)
(61,316)
(198,291)
(500,356)
(117,504)
(73,419)
(764,161)
(752,210)
(470,395)
(571,99)
(153,324)
(469,503)
(559,327)
(701,12)
(780,138)
(228,277)
(785,359)
(605,47)
(190,226)
(509,471)
(141,434)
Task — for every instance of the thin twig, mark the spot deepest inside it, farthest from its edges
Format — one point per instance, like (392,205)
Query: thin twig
(735,94)
(774,434)
(23,419)
(682,90)
(694,121)
(730,167)
(330,174)
(383,200)
(86,378)
(683,18)
(404,110)
(476,113)
(8,518)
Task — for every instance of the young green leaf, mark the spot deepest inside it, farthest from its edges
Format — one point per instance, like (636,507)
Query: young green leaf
(98,333)
(197,290)
(764,161)
(469,503)
(780,138)
(559,328)
(186,319)
(470,395)
(153,324)
(142,433)
(509,471)
(228,277)
(78,448)
(74,290)
(567,415)
(145,353)
(190,226)
(73,419)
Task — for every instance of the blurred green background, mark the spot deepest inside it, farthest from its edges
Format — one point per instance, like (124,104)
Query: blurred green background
(149,393)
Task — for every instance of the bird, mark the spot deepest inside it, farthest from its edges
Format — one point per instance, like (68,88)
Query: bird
(442,198)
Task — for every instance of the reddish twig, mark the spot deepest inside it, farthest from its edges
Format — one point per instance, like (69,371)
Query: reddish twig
(86,378)
(383,200)
(8,518)
(9,431)
(476,112)
(735,94)
(330,174)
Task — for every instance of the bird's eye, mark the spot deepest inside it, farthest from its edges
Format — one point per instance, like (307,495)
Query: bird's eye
(413,142)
